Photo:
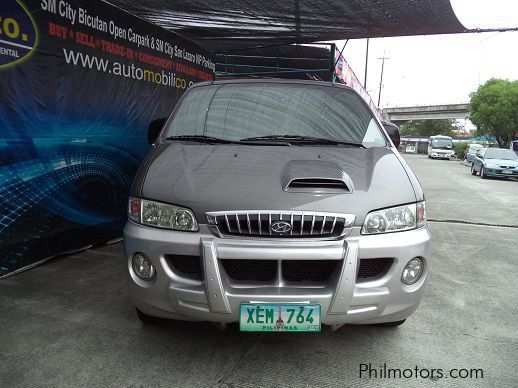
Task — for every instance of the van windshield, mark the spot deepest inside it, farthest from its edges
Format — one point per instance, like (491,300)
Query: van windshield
(241,111)
(442,143)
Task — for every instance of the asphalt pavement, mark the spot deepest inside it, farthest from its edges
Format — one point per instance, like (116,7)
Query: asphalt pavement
(70,322)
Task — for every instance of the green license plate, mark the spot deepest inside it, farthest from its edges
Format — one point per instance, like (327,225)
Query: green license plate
(510,172)
(279,317)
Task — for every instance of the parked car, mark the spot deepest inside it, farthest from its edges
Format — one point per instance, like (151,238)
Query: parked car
(495,162)
(279,204)
(471,151)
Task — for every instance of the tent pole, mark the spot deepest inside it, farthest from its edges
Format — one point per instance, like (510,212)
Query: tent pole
(366,62)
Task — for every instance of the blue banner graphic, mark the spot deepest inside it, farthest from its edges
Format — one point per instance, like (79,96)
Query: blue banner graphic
(79,82)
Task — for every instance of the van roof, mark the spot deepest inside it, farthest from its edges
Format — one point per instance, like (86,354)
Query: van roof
(251,80)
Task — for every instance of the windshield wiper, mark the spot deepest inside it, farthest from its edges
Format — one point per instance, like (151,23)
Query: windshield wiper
(217,140)
(303,139)
(202,139)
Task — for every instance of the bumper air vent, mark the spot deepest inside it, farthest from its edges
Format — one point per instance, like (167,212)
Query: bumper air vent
(186,266)
(371,269)
(254,270)
(309,270)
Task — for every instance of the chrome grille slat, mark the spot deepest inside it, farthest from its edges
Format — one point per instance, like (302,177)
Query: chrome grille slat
(304,224)
(333,227)
(228,223)
(238,223)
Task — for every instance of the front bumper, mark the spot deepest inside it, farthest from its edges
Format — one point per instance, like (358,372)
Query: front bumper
(217,298)
(441,155)
(510,173)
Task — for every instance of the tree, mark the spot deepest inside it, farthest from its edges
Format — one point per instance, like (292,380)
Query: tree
(429,127)
(494,110)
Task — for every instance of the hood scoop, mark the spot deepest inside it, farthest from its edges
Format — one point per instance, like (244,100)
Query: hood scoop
(319,177)
(305,185)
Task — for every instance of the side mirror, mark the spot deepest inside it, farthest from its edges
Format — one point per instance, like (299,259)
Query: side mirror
(393,132)
(154,128)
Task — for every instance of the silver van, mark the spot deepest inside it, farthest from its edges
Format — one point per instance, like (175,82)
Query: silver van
(281,205)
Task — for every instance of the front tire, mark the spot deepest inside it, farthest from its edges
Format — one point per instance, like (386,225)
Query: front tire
(482,175)
(147,319)
(391,324)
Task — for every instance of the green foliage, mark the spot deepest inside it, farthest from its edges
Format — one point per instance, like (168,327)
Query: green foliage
(428,127)
(460,148)
(494,110)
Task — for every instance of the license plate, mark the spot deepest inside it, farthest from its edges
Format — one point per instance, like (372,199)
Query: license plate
(507,171)
(280,317)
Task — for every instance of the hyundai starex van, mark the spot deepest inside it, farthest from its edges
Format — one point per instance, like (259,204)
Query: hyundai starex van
(279,205)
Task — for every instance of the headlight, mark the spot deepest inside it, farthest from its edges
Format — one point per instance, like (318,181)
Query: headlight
(395,219)
(161,215)
(491,165)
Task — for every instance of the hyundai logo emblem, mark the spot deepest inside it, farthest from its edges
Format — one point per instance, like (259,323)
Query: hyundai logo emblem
(280,227)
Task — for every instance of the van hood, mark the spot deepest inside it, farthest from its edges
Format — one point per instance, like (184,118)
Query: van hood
(209,178)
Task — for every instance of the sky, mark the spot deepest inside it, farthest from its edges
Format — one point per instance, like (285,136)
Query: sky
(441,69)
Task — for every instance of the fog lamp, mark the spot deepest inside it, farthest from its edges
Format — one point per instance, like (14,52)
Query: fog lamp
(413,271)
(142,266)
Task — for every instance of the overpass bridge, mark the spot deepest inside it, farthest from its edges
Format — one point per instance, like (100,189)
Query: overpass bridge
(428,112)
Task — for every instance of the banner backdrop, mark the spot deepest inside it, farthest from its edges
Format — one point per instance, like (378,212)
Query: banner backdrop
(79,82)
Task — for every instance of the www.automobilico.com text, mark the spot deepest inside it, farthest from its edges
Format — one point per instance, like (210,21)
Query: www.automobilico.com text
(95,44)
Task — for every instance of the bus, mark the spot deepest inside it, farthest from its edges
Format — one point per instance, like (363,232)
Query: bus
(440,147)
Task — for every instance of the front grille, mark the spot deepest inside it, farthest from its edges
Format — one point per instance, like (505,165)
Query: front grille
(309,270)
(258,270)
(279,224)
(186,266)
(370,269)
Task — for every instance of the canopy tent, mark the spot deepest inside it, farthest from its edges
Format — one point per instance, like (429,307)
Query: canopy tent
(228,25)
(288,61)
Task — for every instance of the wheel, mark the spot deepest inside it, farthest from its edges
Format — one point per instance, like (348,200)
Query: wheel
(473,171)
(482,175)
(147,319)
(391,324)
